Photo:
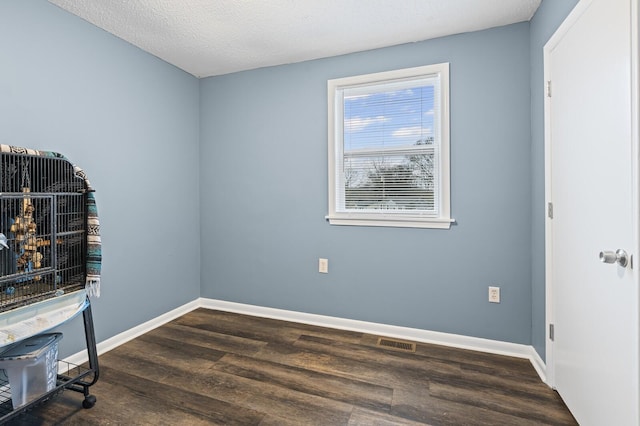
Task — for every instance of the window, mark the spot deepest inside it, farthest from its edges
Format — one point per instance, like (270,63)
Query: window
(389,148)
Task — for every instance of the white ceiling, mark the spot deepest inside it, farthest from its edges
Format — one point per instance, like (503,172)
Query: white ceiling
(214,37)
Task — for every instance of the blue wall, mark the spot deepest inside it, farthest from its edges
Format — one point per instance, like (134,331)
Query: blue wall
(257,216)
(549,16)
(264,195)
(131,121)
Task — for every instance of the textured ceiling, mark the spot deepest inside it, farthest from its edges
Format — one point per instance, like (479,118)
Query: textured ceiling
(213,37)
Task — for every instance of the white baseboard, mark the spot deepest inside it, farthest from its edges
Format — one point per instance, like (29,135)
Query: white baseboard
(539,365)
(406,333)
(119,339)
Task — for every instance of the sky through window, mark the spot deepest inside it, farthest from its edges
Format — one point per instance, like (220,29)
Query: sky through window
(388,119)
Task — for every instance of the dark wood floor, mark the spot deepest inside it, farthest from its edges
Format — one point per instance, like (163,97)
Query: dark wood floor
(210,367)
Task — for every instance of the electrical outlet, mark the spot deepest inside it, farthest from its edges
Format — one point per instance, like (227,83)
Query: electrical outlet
(494,294)
(323,266)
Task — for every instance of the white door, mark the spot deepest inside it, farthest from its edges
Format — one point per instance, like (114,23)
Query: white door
(591,143)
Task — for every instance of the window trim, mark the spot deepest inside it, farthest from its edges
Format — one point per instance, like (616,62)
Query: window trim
(335,88)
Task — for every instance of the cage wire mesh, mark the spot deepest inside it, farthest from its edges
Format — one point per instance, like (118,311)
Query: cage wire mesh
(42,229)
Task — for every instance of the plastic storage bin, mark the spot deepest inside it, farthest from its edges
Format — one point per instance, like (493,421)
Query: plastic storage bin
(32,367)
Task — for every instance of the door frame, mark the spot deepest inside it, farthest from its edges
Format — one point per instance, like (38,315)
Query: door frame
(571,19)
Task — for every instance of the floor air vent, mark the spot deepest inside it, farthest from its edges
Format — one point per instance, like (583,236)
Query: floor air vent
(397,345)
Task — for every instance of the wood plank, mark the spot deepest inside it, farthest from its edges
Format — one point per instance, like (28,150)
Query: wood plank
(250,321)
(421,365)
(343,366)
(209,339)
(263,397)
(409,404)
(365,417)
(337,388)
(135,400)
(260,329)
(499,400)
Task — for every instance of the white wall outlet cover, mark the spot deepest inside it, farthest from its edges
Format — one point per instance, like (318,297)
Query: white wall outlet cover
(323,266)
(494,294)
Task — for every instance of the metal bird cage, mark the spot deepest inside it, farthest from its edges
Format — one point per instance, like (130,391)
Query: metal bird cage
(49,262)
(43,229)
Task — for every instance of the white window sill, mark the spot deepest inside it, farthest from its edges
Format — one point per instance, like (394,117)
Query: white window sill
(398,222)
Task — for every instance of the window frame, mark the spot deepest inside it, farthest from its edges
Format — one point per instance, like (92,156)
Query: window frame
(441,219)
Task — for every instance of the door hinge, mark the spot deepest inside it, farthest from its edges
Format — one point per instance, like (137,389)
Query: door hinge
(551,333)
(550,210)
(548,88)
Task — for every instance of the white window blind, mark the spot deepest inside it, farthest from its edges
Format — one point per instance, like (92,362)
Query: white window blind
(388,148)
